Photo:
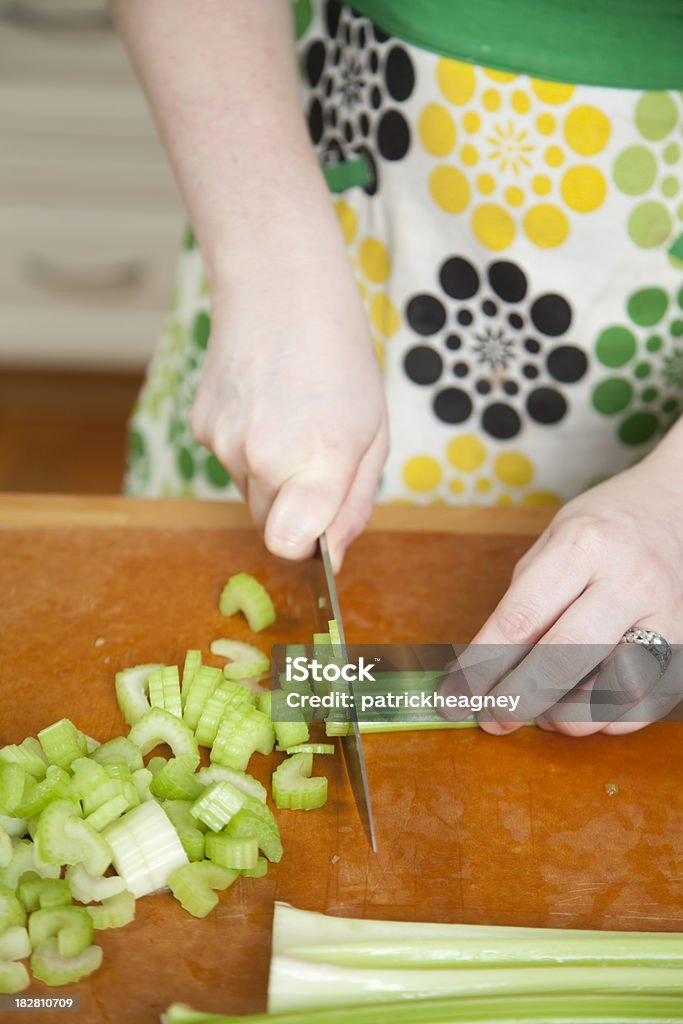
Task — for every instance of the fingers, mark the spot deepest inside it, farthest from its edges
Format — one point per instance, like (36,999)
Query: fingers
(357,506)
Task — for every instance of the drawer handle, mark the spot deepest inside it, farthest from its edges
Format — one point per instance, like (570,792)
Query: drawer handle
(104,277)
(38,16)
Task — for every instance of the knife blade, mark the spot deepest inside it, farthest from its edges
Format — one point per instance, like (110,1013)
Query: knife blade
(352,745)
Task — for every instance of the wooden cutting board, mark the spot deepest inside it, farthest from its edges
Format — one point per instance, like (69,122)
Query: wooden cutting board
(518,830)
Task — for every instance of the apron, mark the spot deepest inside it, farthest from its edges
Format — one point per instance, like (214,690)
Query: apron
(518,246)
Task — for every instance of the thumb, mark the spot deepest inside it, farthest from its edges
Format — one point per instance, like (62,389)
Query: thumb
(305,506)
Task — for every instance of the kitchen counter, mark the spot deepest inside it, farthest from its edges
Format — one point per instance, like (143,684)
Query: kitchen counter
(519,830)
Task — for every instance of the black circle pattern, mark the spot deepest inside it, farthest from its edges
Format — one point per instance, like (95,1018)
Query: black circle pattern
(357,75)
(512,354)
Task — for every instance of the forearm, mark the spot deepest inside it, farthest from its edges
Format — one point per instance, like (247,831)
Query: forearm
(220,76)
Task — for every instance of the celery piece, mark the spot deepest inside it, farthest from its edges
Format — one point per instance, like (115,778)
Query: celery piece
(118,751)
(243,593)
(227,694)
(336,728)
(228,852)
(190,835)
(159,726)
(5,848)
(26,861)
(260,871)
(43,893)
(176,779)
(13,978)
(164,690)
(91,744)
(292,785)
(219,773)
(108,790)
(108,812)
(155,764)
(312,748)
(145,848)
(14,943)
(241,732)
(12,911)
(37,795)
(62,743)
(114,912)
(86,776)
(14,827)
(288,723)
(142,780)
(217,804)
(86,888)
(256,821)
(13,780)
(333,627)
(131,691)
(64,838)
(28,755)
(203,683)
(193,662)
(48,966)
(245,660)
(72,926)
(193,886)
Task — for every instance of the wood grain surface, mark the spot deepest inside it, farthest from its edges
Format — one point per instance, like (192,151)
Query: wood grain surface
(519,830)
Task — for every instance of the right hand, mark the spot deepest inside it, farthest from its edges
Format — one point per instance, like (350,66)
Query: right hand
(291,399)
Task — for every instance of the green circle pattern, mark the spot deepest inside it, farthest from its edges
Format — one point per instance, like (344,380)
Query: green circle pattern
(616,346)
(647,306)
(656,115)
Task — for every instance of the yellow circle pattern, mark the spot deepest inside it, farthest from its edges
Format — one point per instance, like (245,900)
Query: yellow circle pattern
(586,130)
(456,80)
(347,219)
(471,122)
(491,99)
(466,452)
(374,260)
(422,473)
(513,469)
(546,226)
(469,155)
(449,189)
(552,92)
(436,129)
(493,226)
(583,188)
(486,184)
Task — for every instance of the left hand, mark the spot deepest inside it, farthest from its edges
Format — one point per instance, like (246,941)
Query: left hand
(612,558)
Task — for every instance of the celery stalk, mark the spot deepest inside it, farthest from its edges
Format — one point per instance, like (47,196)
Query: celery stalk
(245,661)
(159,726)
(293,787)
(15,943)
(72,927)
(86,888)
(145,848)
(245,594)
(132,687)
(5,848)
(114,912)
(47,965)
(13,977)
(193,886)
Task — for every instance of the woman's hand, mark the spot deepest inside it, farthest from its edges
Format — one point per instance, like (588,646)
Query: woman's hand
(612,558)
(291,398)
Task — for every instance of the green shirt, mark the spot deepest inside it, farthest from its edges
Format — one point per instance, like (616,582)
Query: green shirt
(635,44)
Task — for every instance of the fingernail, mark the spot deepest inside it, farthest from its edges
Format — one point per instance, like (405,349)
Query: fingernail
(498,728)
(288,545)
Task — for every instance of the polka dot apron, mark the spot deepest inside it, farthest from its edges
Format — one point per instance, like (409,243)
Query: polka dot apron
(517,245)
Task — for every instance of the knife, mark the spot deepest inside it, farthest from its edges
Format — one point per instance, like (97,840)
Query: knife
(352,746)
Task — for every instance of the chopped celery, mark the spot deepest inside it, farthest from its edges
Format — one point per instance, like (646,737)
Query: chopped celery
(312,748)
(228,852)
(114,912)
(72,926)
(37,795)
(203,683)
(289,724)
(159,726)
(13,977)
(86,776)
(86,888)
(259,871)
(5,848)
(256,821)
(190,835)
(118,751)
(14,827)
(242,731)
(145,848)
(12,782)
(193,886)
(155,764)
(219,773)
(62,743)
(26,861)
(336,728)
(244,593)
(164,690)
(48,966)
(226,695)
(334,635)
(108,790)
(131,691)
(12,911)
(217,804)
(245,661)
(176,780)
(28,755)
(142,780)
(107,812)
(193,662)
(64,838)
(293,787)
(43,893)
(15,943)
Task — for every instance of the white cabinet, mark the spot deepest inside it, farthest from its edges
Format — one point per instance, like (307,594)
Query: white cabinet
(90,217)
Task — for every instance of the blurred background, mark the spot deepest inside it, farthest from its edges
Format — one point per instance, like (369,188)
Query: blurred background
(90,224)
